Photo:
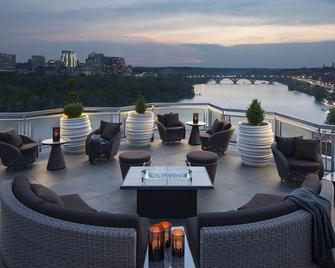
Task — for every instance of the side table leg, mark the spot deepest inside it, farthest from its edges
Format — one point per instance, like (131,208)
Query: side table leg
(194,136)
(56,159)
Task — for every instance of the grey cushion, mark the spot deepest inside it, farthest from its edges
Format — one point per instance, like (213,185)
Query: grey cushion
(262,200)
(161,119)
(13,137)
(307,149)
(303,165)
(74,201)
(202,157)
(46,194)
(135,157)
(216,126)
(172,120)
(287,145)
(111,129)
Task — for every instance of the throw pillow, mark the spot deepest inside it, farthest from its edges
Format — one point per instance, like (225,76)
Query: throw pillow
(46,194)
(216,126)
(161,119)
(110,130)
(286,145)
(103,125)
(172,120)
(307,149)
(13,137)
(226,126)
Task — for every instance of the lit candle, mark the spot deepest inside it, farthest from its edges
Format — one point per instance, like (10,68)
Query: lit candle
(178,243)
(195,118)
(156,242)
(56,133)
(166,225)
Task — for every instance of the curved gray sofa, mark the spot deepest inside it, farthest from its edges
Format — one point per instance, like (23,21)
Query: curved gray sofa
(30,238)
(257,235)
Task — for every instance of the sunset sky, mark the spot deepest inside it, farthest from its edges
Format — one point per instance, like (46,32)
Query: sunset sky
(226,33)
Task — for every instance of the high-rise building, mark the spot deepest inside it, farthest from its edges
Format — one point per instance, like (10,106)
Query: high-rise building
(69,59)
(7,62)
(37,61)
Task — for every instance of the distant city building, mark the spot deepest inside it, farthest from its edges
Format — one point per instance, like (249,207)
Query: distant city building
(7,62)
(37,62)
(69,59)
(53,67)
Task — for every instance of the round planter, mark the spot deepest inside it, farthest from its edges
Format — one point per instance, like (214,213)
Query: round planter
(75,129)
(139,128)
(254,144)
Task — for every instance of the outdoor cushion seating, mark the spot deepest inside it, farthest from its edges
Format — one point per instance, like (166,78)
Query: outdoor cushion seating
(206,159)
(296,157)
(275,232)
(217,138)
(17,150)
(68,235)
(103,142)
(170,128)
(133,158)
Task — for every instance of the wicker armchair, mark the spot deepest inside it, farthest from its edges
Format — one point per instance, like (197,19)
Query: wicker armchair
(18,157)
(217,142)
(171,134)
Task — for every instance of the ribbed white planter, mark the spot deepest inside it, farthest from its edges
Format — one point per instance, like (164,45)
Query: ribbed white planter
(139,128)
(75,129)
(254,144)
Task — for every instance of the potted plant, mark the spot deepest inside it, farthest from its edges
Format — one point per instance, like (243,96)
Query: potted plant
(74,124)
(139,124)
(255,137)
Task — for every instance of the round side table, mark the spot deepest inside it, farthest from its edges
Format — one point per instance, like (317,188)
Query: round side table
(195,134)
(56,159)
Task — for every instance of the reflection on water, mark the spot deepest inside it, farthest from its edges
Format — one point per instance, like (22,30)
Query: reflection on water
(275,98)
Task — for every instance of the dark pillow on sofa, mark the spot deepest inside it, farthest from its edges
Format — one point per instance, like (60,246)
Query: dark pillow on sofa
(172,120)
(161,119)
(216,126)
(110,130)
(307,149)
(286,145)
(13,137)
(103,125)
(46,194)
(226,126)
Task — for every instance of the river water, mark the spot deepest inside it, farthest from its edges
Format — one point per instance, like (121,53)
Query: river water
(274,98)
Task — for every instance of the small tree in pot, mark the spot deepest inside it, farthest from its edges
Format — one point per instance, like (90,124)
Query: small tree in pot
(255,137)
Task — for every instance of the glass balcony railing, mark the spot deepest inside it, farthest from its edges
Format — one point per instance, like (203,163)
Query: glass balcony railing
(38,124)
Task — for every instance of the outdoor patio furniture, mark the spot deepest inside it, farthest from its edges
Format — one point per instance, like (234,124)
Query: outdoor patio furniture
(16,150)
(195,134)
(277,234)
(133,158)
(208,160)
(41,229)
(296,157)
(218,139)
(170,128)
(103,142)
(56,158)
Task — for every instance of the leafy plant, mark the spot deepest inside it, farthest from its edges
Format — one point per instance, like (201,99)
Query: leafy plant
(255,113)
(73,110)
(330,120)
(140,105)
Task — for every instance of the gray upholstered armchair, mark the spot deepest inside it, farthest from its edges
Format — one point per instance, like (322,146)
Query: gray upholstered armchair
(171,134)
(17,154)
(217,142)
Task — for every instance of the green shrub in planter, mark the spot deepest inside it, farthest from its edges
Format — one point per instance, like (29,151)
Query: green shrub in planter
(255,113)
(140,105)
(73,110)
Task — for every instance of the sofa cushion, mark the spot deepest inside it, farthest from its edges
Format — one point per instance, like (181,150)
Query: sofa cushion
(28,148)
(111,129)
(303,165)
(287,145)
(103,124)
(216,126)
(161,119)
(46,194)
(172,120)
(13,137)
(262,200)
(307,149)
(74,201)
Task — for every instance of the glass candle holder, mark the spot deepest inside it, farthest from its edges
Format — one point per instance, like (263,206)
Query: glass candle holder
(56,133)
(166,225)
(178,243)
(156,242)
(195,118)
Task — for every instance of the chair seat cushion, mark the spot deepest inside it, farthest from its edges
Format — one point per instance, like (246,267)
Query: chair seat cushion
(216,126)
(135,157)
(28,148)
(303,165)
(46,194)
(74,201)
(172,120)
(202,157)
(307,149)
(262,200)
(13,137)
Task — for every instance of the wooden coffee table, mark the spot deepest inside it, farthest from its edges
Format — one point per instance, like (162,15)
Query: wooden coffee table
(56,159)
(167,198)
(195,133)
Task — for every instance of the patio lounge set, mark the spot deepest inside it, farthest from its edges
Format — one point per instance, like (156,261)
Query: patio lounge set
(40,228)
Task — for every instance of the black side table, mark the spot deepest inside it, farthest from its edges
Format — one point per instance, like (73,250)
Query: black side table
(56,159)
(195,134)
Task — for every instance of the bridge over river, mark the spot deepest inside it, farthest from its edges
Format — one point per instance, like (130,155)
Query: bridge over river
(234,78)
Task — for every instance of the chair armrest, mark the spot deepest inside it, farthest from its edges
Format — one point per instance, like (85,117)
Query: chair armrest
(281,162)
(160,125)
(95,132)
(9,153)
(27,139)
(182,124)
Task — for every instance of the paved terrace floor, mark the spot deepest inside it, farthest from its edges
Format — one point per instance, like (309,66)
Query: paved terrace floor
(99,184)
